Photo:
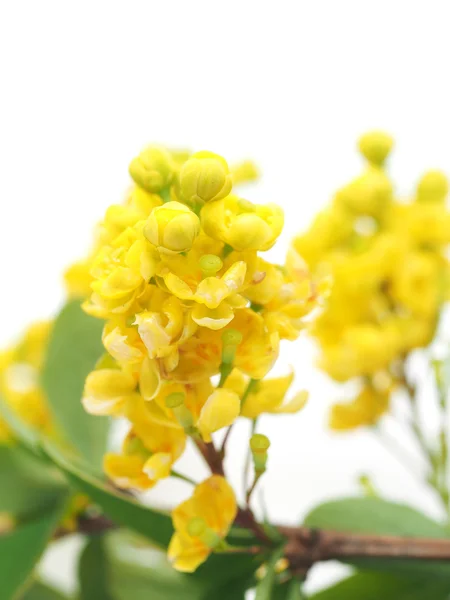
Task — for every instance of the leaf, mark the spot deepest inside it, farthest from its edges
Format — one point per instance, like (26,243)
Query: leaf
(27,484)
(141,573)
(21,548)
(94,571)
(41,591)
(131,577)
(374,515)
(373,586)
(74,347)
(264,589)
(122,509)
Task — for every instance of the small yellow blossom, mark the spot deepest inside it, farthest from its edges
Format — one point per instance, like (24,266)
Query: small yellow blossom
(172,228)
(365,409)
(205,177)
(266,395)
(241,224)
(20,388)
(201,523)
(375,146)
(153,169)
(432,187)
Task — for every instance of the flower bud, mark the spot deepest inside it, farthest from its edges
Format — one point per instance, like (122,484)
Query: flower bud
(205,177)
(220,410)
(375,146)
(432,187)
(231,339)
(153,169)
(210,264)
(175,402)
(172,228)
(259,445)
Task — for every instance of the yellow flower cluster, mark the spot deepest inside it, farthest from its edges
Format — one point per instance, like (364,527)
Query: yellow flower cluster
(176,274)
(389,270)
(20,388)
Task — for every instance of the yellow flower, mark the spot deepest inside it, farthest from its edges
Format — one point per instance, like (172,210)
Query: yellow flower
(20,387)
(417,284)
(153,169)
(123,342)
(149,450)
(244,172)
(201,523)
(107,390)
(368,194)
(120,270)
(241,224)
(365,409)
(160,330)
(205,177)
(203,281)
(432,187)
(266,395)
(375,146)
(78,279)
(172,228)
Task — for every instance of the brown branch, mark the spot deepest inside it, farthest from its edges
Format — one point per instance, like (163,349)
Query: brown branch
(211,456)
(87,525)
(307,546)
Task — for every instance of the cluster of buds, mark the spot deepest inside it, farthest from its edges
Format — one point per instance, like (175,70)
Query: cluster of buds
(387,259)
(194,316)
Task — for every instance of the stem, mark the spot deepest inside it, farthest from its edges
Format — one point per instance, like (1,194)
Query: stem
(248,457)
(211,456)
(245,395)
(182,477)
(252,487)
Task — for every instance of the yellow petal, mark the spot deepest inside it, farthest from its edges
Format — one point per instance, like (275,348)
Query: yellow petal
(150,379)
(186,558)
(212,318)
(158,466)
(220,410)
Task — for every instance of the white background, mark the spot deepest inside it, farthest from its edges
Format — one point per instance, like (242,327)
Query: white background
(85,84)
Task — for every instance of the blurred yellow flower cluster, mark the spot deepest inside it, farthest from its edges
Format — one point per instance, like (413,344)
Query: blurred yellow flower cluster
(193,316)
(387,260)
(20,387)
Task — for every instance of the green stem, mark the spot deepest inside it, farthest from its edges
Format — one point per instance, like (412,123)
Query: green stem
(183,477)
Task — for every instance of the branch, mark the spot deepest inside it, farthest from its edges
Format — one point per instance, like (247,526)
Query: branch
(307,546)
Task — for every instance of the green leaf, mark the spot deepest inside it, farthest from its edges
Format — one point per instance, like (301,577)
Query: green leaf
(74,347)
(122,509)
(265,588)
(374,515)
(21,548)
(41,591)
(373,586)
(140,573)
(27,484)
(94,571)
